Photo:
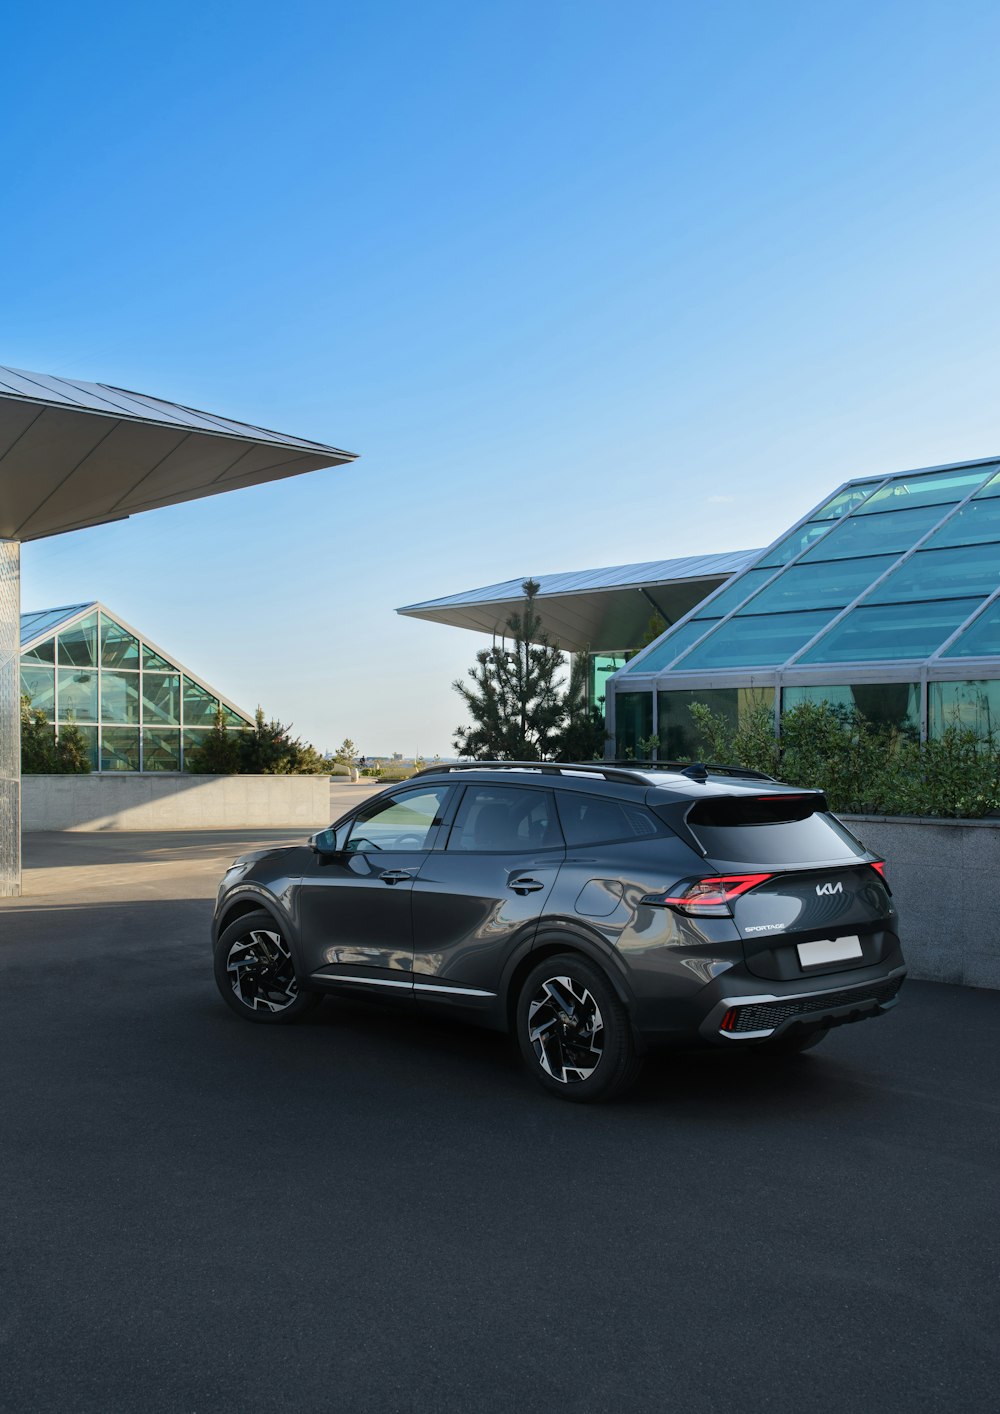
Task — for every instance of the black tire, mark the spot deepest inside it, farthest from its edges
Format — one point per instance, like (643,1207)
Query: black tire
(576,1039)
(794,1043)
(255,975)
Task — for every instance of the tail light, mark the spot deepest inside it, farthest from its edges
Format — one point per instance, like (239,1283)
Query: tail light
(879,866)
(709,897)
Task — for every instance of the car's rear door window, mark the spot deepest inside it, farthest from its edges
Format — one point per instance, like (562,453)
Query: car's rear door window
(594,819)
(505,820)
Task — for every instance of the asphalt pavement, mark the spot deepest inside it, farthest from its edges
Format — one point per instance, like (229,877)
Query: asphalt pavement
(372,1212)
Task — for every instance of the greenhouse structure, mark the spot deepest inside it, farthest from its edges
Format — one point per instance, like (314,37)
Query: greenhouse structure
(137,707)
(885,598)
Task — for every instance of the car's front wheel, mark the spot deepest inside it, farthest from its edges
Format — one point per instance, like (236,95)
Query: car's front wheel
(573,1031)
(255,974)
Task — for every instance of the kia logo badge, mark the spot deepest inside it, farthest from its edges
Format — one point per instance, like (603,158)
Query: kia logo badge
(837,888)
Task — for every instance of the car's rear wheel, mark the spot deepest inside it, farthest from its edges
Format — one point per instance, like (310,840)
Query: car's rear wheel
(255,974)
(573,1031)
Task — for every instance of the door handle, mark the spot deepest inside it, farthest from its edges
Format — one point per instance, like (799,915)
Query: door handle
(396,876)
(524,885)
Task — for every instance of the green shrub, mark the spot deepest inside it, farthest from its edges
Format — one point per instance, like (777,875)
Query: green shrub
(44,754)
(864,769)
(265,749)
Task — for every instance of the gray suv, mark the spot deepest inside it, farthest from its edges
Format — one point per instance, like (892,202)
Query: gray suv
(593,911)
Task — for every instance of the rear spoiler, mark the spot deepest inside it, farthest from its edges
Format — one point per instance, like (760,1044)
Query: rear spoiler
(736,810)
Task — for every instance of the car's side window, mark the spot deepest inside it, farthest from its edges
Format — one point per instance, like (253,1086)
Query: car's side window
(505,819)
(402,822)
(592,819)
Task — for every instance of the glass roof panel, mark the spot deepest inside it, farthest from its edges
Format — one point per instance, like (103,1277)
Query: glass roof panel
(889,533)
(44,652)
(77,646)
(788,548)
(829,585)
(668,648)
(154,662)
(980,639)
(876,632)
(992,487)
(736,591)
(846,500)
(930,489)
(749,641)
(39,621)
(119,649)
(200,706)
(961,572)
(975,523)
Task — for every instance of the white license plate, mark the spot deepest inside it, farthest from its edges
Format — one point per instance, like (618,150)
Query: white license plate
(829,950)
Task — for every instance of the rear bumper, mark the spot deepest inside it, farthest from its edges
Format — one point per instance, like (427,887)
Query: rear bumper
(750,1016)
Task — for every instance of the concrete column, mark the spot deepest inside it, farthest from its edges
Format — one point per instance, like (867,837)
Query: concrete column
(10,718)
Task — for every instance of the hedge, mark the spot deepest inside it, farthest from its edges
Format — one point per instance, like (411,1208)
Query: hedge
(864,769)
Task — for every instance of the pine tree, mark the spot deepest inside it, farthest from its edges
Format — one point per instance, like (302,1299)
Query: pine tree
(269,749)
(72,754)
(220,751)
(42,754)
(346,753)
(515,700)
(37,740)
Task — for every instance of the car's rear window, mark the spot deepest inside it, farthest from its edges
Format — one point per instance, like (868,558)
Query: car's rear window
(781,831)
(593,819)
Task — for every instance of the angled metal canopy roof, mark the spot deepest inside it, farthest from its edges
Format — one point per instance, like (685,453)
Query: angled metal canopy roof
(74,454)
(601,610)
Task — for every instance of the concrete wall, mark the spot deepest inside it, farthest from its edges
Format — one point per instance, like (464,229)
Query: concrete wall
(942,874)
(164,801)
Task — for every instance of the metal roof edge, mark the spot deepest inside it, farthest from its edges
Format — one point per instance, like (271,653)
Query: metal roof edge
(913,471)
(119,414)
(505,589)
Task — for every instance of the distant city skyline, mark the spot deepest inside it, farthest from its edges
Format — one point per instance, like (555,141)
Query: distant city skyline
(583,285)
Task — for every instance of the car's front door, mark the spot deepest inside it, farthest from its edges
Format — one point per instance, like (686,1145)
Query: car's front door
(355,905)
(481,896)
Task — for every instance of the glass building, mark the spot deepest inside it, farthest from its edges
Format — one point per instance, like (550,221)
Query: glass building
(886,597)
(137,708)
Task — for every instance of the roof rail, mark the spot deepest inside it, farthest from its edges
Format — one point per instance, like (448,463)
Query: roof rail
(684,768)
(608,771)
(632,772)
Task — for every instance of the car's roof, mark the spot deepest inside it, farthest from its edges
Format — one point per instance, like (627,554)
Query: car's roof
(673,778)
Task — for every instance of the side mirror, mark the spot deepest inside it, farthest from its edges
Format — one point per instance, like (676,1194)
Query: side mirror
(325,842)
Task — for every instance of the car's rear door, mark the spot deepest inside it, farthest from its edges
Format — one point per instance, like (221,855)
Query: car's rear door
(481,895)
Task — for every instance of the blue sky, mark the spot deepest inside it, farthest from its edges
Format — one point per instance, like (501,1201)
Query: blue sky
(583,283)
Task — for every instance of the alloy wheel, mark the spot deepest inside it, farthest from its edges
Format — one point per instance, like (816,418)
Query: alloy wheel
(566,1030)
(261,971)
